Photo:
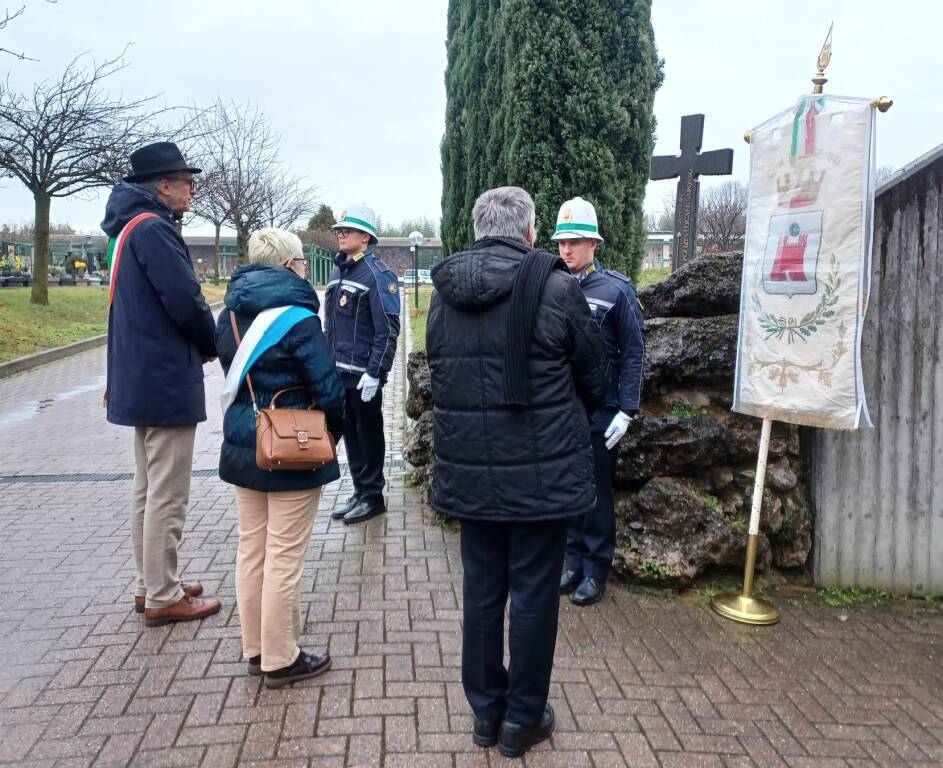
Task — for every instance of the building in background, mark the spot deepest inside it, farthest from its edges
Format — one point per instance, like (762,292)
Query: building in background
(658,250)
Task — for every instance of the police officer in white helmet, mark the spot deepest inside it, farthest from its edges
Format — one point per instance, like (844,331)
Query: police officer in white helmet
(611,297)
(362,324)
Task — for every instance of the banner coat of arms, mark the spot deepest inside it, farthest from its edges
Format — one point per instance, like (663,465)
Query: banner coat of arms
(806,264)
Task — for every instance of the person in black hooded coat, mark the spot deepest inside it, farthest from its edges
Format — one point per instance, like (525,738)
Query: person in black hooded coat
(516,364)
(276,508)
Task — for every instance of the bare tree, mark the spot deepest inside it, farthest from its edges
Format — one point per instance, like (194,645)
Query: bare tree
(884,173)
(66,137)
(9,16)
(212,205)
(246,182)
(666,221)
(286,200)
(721,216)
(238,147)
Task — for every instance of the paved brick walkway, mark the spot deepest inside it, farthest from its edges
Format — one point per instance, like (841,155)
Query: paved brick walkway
(640,680)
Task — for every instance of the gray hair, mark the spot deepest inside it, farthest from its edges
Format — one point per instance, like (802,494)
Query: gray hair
(151,185)
(274,246)
(503,212)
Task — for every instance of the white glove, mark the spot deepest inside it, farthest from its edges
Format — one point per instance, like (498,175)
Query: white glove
(368,387)
(616,429)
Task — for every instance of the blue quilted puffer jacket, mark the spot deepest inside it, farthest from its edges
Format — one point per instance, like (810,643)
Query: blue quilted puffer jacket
(301,358)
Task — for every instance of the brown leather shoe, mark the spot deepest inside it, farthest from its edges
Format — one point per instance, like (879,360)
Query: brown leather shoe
(193,590)
(186,609)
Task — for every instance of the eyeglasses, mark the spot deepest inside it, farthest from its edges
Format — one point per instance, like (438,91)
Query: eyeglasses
(344,232)
(191,181)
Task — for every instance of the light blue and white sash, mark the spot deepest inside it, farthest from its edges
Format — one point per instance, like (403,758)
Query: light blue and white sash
(268,328)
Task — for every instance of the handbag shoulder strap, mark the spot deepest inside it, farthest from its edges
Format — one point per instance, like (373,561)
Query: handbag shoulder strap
(235,332)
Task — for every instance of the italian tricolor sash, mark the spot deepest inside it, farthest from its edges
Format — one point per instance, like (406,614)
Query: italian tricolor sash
(119,246)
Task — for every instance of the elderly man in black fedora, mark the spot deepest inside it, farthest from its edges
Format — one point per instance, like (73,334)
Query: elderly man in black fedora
(160,333)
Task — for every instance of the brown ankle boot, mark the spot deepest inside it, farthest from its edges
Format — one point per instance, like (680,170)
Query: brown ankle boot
(193,590)
(186,609)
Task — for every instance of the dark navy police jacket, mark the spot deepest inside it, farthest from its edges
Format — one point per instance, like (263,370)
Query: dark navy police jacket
(159,326)
(612,300)
(301,358)
(362,316)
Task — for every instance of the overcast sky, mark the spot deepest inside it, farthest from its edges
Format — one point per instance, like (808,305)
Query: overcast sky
(311,66)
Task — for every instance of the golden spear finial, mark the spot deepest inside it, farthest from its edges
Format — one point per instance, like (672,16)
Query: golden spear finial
(825,55)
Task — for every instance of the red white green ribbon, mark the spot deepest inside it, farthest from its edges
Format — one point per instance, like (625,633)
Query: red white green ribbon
(803,126)
(119,246)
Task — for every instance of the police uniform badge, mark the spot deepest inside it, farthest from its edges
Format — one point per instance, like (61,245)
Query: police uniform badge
(391,287)
(343,300)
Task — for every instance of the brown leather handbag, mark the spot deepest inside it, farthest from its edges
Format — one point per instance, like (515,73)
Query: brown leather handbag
(289,438)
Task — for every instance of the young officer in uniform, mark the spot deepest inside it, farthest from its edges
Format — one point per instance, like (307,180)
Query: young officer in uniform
(362,323)
(591,539)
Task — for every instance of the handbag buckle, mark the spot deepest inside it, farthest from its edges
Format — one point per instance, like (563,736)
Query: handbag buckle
(302,438)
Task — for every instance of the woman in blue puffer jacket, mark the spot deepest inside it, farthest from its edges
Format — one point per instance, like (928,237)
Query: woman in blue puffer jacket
(276,508)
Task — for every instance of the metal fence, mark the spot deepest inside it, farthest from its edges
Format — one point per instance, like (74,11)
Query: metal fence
(879,493)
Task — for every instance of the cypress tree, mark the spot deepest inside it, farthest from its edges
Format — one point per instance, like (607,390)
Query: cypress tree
(554,96)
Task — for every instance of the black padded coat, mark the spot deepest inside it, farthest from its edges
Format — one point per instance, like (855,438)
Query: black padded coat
(496,462)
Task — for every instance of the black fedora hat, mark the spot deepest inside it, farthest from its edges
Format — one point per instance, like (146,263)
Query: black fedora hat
(155,159)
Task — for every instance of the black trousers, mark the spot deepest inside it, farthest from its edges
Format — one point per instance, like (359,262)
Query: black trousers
(591,538)
(523,560)
(366,443)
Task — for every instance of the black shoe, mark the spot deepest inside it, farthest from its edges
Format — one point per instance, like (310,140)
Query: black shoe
(353,501)
(255,665)
(485,732)
(589,592)
(305,666)
(364,511)
(514,740)
(569,581)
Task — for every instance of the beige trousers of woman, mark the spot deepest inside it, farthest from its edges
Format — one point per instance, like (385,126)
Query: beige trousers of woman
(274,529)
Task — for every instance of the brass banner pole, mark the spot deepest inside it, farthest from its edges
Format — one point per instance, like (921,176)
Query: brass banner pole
(744,607)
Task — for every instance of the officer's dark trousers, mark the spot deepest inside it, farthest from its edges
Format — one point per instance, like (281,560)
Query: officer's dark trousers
(523,560)
(591,539)
(366,444)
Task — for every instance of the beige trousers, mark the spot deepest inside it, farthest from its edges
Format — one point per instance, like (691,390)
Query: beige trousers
(274,529)
(159,499)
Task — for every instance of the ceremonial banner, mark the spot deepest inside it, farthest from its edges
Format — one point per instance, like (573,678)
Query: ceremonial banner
(806,264)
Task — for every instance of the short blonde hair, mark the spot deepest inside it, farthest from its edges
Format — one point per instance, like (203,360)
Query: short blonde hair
(274,246)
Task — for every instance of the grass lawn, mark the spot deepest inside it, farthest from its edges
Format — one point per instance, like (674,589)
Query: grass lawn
(417,318)
(73,314)
(653,275)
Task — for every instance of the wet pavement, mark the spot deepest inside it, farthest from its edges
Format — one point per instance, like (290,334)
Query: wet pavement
(640,680)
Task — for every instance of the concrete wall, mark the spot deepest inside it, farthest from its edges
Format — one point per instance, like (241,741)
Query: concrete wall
(879,493)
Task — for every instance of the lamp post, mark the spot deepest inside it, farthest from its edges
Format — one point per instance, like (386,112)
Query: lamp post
(416,238)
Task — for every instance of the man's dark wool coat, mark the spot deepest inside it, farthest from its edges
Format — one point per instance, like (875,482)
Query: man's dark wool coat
(494,461)
(159,327)
(300,359)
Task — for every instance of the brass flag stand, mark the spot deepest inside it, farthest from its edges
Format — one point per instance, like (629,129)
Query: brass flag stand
(744,607)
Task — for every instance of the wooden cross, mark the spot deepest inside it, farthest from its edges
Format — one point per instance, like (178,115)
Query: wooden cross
(686,167)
